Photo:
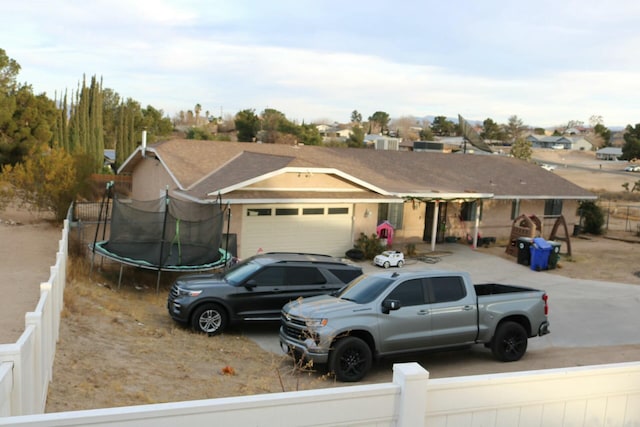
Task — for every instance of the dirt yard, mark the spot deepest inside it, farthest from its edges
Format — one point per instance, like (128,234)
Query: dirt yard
(119,347)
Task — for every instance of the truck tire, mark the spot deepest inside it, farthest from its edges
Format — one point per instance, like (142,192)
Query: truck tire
(400,264)
(350,359)
(509,343)
(209,319)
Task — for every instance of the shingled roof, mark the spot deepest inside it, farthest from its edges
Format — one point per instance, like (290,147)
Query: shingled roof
(208,167)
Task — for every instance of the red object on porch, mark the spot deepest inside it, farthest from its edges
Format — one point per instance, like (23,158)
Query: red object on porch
(385,231)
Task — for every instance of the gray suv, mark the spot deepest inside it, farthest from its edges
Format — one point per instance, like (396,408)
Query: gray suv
(256,289)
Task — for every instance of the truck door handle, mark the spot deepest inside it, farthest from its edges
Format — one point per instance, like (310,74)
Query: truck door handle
(467,307)
(423,312)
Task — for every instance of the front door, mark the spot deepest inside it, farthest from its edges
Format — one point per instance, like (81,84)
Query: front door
(428,221)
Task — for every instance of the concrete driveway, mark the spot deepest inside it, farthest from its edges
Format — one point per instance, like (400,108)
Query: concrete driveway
(583,313)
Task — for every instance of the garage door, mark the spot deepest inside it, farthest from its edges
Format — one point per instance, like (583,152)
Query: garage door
(322,229)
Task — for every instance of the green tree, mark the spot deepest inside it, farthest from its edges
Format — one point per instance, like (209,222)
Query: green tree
(591,216)
(514,128)
(47,180)
(426,134)
(247,125)
(110,110)
(631,147)
(199,133)
(381,120)
(29,120)
(197,109)
(155,123)
(356,117)
(309,135)
(491,130)
(521,149)
(603,132)
(443,127)
(356,137)
(9,70)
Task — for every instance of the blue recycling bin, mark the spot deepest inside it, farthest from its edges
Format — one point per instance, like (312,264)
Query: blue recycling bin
(540,251)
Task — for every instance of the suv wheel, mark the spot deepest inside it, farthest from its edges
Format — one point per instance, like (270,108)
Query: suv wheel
(350,359)
(210,319)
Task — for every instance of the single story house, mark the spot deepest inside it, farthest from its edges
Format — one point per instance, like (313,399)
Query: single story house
(609,153)
(560,142)
(320,199)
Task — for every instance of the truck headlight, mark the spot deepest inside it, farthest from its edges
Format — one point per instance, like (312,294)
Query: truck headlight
(316,323)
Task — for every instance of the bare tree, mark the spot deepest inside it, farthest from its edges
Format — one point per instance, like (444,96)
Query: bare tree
(407,127)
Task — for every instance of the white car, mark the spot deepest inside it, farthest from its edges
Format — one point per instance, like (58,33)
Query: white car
(389,259)
(548,167)
(632,168)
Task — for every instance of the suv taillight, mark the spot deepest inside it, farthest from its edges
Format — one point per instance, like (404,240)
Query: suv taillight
(545,298)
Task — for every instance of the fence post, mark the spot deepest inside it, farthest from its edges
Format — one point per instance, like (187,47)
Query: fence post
(412,379)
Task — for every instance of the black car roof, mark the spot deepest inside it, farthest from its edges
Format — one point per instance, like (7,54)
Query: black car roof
(278,257)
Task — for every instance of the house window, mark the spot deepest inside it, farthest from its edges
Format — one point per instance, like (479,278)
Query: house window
(553,207)
(392,212)
(515,208)
(468,210)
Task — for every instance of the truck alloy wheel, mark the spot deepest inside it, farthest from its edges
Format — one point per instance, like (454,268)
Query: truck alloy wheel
(509,342)
(350,359)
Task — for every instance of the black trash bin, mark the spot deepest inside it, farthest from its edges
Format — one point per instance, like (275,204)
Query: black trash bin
(524,250)
(577,229)
(554,256)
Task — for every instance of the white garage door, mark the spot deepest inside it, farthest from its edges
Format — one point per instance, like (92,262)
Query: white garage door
(322,229)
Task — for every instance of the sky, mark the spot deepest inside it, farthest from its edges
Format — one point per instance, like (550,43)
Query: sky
(548,62)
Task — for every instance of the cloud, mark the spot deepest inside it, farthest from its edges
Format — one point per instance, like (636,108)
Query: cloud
(547,62)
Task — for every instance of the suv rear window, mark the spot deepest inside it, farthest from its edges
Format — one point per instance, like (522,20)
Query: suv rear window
(304,276)
(346,274)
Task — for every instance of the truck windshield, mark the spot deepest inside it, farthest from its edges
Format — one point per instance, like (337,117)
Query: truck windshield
(364,289)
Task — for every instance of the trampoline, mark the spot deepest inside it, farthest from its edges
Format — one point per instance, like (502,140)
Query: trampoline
(165,234)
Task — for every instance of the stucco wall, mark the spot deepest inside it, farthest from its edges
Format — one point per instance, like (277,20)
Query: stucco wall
(303,180)
(149,180)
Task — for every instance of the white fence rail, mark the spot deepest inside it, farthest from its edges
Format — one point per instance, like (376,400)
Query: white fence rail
(584,396)
(26,366)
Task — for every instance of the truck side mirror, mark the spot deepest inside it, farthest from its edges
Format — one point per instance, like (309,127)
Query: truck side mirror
(390,304)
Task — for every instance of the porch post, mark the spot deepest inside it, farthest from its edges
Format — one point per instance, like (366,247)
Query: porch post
(476,226)
(434,225)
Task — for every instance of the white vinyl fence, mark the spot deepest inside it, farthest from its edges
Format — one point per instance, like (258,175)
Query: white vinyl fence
(26,366)
(605,395)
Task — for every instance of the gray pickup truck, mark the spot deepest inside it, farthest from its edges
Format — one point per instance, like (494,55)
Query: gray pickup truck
(386,314)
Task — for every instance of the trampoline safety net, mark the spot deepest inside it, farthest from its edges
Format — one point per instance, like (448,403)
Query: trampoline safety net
(165,233)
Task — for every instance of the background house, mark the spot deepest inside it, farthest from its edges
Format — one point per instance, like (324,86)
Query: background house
(320,199)
(560,142)
(609,153)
